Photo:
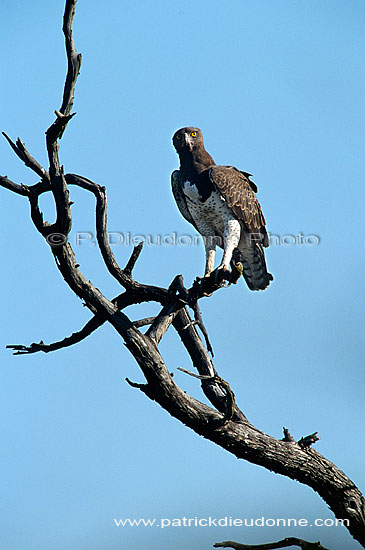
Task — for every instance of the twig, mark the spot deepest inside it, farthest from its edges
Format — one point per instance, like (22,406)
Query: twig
(230,397)
(192,296)
(14,187)
(143,322)
(122,301)
(136,384)
(163,320)
(21,151)
(203,363)
(287,436)
(194,375)
(307,441)
(133,259)
(290,541)
(304,442)
(199,321)
(91,326)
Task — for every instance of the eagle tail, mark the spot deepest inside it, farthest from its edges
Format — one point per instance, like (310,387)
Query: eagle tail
(253,262)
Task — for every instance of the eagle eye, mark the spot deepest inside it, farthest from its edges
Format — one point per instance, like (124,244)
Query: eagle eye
(178,136)
(194,134)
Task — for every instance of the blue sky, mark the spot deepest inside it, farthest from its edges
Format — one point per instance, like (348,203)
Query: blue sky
(278,90)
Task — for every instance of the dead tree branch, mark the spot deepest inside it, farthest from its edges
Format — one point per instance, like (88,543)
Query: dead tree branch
(307,441)
(290,541)
(91,326)
(230,402)
(133,259)
(73,59)
(14,187)
(21,151)
(225,425)
(163,321)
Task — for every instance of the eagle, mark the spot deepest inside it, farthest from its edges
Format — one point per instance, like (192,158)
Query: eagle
(220,202)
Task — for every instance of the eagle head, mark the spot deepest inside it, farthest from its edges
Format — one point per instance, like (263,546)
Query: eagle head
(187,139)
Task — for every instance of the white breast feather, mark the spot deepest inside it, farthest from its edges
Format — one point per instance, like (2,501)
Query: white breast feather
(214,211)
(190,190)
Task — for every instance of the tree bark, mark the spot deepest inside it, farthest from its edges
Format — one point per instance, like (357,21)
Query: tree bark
(225,425)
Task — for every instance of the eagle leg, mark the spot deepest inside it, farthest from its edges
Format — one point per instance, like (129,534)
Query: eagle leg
(231,236)
(210,248)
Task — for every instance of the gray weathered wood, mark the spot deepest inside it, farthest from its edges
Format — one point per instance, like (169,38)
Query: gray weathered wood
(296,460)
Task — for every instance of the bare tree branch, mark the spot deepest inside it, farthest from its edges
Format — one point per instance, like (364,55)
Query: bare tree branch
(287,436)
(199,322)
(101,229)
(191,297)
(143,322)
(21,151)
(290,541)
(307,441)
(203,363)
(163,321)
(55,131)
(91,326)
(236,434)
(230,402)
(14,187)
(73,59)
(122,301)
(133,259)
(58,183)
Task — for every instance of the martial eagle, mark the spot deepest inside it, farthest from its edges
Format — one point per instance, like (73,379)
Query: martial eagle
(221,204)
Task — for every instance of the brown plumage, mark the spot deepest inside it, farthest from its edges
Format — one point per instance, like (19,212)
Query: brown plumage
(221,203)
(237,189)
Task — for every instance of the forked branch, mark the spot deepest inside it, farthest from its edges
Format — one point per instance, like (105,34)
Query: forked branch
(225,425)
(91,326)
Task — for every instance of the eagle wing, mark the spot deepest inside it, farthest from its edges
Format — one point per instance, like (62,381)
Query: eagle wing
(237,189)
(180,198)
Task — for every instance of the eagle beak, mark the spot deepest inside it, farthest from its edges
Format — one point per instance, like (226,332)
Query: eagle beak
(188,142)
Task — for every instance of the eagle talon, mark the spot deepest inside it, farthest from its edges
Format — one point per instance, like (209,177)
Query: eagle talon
(222,273)
(237,271)
(204,282)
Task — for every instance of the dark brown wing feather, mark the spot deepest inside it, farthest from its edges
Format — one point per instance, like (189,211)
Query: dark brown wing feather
(179,196)
(236,189)
(247,175)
